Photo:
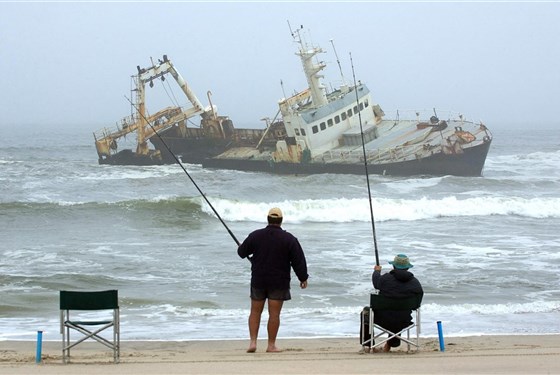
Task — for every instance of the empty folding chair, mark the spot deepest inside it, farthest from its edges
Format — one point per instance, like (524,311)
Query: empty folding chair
(83,305)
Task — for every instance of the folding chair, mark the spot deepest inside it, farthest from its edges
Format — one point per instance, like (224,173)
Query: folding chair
(89,301)
(368,335)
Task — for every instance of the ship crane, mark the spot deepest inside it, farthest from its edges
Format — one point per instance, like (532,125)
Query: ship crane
(146,125)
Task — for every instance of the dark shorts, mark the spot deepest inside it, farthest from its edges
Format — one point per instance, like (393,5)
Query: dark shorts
(276,294)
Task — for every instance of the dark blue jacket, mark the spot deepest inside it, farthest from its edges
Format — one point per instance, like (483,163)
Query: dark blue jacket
(273,251)
(396,284)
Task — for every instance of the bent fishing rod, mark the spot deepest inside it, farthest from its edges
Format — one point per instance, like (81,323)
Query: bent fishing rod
(186,172)
(365,164)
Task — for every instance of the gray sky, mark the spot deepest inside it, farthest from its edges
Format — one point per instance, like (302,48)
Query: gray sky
(70,63)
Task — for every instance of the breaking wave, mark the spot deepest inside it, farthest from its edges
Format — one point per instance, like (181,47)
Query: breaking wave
(348,210)
(338,210)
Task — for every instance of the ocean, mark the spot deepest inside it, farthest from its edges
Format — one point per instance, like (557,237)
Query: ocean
(485,249)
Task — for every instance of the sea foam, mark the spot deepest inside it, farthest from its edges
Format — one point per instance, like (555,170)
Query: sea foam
(344,210)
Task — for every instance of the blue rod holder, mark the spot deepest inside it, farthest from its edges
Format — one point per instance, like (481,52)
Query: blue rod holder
(39,346)
(440,334)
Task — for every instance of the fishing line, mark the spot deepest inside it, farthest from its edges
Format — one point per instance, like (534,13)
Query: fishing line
(186,172)
(365,164)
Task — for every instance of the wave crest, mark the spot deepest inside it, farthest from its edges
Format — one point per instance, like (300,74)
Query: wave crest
(344,210)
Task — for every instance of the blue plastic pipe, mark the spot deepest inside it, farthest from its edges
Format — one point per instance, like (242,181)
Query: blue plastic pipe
(440,334)
(39,346)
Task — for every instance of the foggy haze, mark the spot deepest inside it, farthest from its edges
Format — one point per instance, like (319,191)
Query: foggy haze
(70,63)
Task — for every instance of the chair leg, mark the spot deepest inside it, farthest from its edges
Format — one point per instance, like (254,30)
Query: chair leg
(408,340)
(371,331)
(65,344)
(116,336)
(65,331)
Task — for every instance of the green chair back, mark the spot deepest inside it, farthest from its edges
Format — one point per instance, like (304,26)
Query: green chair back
(102,300)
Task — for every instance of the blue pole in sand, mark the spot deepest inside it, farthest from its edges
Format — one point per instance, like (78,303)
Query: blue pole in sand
(39,346)
(440,334)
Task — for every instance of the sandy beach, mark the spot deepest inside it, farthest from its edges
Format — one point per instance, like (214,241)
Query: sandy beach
(462,355)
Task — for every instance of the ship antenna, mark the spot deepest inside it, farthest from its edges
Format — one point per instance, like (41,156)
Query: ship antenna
(294,32)
(282,85)
(186,172)
(290,27)
(338,62)
(365,164)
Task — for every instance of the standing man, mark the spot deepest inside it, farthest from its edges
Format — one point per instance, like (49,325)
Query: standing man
(398,283)
(272,252)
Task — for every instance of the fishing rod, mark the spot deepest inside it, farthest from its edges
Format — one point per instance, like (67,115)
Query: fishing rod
(186,172)
(365,164)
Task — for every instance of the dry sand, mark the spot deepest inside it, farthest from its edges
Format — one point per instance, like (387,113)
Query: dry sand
(462,355)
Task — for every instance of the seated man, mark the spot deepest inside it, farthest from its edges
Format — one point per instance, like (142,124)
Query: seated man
(398,283)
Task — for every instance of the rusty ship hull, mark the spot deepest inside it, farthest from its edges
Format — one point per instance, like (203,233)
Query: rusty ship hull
(470,163)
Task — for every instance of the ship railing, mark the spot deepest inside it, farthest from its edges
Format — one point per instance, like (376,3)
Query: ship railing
(102,134)
(122,127)
(423,115)
(451,117)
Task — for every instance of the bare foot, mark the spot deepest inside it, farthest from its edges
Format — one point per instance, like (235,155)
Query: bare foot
(273,349)
(386,347)
(252,347)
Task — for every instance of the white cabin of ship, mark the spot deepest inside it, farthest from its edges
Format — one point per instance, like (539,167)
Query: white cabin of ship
(320,129)
(318,121)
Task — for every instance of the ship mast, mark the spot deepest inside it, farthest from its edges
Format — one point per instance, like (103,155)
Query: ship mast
(311,70)
(142,144)
(147,76)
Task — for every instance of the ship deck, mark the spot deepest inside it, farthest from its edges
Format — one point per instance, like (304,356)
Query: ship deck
(395,141)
